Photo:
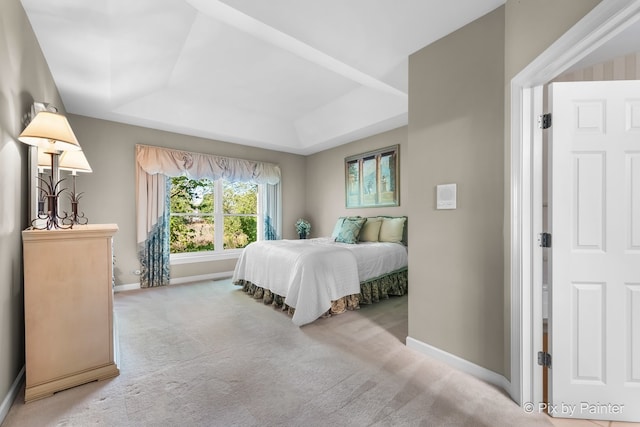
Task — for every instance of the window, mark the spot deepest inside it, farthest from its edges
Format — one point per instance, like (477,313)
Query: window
(210,215)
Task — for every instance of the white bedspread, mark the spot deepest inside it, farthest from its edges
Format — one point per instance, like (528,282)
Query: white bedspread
(311,273)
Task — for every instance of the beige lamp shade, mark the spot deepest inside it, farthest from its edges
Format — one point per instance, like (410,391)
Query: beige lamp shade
(51,132)
(74,161)
(44,159)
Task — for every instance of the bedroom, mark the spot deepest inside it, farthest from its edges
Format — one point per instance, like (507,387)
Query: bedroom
(472,302)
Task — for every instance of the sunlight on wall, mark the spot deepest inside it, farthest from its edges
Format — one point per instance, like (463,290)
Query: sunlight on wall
(10,190)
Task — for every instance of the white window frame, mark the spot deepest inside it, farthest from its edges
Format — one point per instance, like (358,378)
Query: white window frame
(219,253)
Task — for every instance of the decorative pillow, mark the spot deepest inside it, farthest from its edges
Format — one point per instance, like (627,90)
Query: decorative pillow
(392,229)
(370,230)
(337,228)
(350,230)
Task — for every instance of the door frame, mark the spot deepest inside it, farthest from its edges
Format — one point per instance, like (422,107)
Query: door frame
(603,23)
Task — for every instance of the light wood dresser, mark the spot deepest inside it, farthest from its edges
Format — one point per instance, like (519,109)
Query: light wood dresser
(68,304)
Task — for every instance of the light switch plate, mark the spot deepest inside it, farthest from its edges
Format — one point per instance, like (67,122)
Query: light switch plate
(446,196)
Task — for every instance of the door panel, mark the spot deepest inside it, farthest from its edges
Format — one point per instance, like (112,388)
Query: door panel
(588,201)
(633,323)
(633,201)
(588,332)
(595,292)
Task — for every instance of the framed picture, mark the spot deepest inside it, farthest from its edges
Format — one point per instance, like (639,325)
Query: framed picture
(371,179)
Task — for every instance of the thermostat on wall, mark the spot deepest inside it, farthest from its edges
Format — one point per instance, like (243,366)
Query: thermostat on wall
(446,196)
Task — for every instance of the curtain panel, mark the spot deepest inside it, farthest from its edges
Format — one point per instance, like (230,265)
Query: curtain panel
(154,165)
(272,211)
(170,162)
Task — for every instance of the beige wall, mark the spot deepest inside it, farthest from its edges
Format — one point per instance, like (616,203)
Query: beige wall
(325,181)
(459,112)
(622,68)
(109,192)
(24,78)
(456,127)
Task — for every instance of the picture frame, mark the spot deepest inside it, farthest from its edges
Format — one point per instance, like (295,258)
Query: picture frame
(371,178)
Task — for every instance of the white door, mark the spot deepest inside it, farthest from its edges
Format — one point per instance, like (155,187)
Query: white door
(595,292)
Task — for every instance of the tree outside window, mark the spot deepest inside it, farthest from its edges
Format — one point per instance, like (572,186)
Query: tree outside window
(208,215)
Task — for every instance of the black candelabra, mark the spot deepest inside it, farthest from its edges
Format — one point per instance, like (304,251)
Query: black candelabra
(50,191)
(76,218)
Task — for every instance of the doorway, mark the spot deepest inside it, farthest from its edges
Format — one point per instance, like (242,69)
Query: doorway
(594,200)
(606,21)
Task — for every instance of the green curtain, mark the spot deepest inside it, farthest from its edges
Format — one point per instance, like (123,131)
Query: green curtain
(154,251)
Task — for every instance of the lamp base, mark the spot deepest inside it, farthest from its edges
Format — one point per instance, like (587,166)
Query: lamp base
(51,219)
(77,218)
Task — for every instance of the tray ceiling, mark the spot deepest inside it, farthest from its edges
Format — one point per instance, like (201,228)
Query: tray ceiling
(290,75)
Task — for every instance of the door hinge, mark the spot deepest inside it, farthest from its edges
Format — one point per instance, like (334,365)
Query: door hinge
(544,359)
(544,121)
(544,240)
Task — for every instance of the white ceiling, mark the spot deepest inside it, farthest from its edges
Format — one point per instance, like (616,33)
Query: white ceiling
(298,76)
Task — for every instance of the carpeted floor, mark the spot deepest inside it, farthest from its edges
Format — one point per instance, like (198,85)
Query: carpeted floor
(206,354)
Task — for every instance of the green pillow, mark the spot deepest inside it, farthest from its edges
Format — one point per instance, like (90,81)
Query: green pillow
(337,228)
(350,230)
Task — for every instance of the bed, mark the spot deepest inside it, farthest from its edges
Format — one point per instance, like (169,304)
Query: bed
(364,261)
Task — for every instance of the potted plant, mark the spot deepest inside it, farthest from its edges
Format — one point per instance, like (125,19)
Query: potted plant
(303,227)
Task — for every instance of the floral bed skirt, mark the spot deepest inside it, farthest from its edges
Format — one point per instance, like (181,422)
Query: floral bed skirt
(395,283)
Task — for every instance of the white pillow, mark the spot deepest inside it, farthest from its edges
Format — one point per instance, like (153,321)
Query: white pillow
(370,230)
(392,229)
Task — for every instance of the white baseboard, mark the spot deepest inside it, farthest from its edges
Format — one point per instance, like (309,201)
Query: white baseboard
(11,396)
(178,280)
(126,287)
(461,364)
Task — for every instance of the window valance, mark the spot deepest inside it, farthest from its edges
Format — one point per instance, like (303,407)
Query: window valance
(171,162)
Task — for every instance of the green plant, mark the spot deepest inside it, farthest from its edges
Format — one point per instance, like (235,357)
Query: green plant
(303,227)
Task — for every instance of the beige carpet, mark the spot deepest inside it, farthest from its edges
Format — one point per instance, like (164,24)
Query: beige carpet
(206,354)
